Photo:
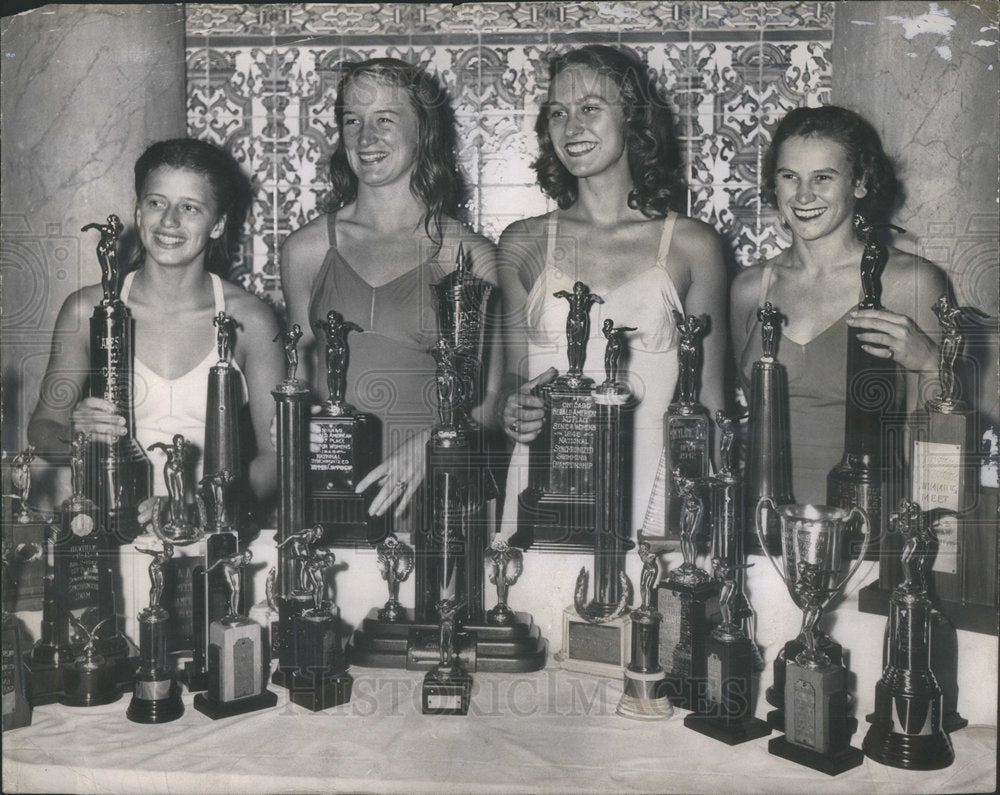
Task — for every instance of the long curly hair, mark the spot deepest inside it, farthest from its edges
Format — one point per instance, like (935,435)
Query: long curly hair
(871,165)
(437,179)
(654,156)
(230,188)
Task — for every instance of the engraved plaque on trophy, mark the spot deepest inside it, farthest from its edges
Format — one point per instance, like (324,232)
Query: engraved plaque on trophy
(556,511)
(120,475)
(350,447)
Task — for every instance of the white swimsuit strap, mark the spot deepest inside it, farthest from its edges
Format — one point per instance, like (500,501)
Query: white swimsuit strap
(665,237)
(218,293)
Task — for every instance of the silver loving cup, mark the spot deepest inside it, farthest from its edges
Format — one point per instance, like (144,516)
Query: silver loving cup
(812,537)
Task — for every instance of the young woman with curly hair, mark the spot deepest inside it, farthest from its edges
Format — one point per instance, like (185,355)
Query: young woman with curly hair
(609,158)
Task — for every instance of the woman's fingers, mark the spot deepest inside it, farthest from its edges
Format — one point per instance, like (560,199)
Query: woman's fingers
(524,411)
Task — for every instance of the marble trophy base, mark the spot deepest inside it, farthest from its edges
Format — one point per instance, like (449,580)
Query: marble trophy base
(446,691)
(88,686)
(517,647)
(925,747)
(643,697)
(686,626)
(320,679)
(236,670)
(597,649)
(775,694)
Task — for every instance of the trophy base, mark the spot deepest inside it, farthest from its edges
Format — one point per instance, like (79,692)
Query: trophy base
(155,701)
(16,708)
(597,649)
(446,692)
(831,764)
(686,610)
(776,720)
(730,732)
(979,618)
(644,698)
(227,709)
(88,688)
(517,647)
(45,679)
(320,692)
(907,751)
(550,522)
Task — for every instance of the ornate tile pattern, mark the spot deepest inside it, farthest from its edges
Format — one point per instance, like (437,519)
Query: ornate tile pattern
(262,79)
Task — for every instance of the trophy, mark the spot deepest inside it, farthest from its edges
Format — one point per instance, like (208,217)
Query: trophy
(294,552)
(447,686)
(866,474)
(291,398)
(20,476)
(556,511)
(156,697)
(769,454)
(120,475)
(236,654)
(596,634)
(266,613)
(350,447)
(644,696)
(684,602)
(89,680)
(395,562)
(906,728)
(505,566)
(816,723)
(177,528)
(16,707)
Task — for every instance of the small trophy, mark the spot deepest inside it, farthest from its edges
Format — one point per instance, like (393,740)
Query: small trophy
(265,613)
(120,475)
(556,511)
(644,696)
(395,562)
(867,472)
(816,723)
(291,398)
(295,550)
(686,425)
(20,476)
(89,680)
(769,454)
(236,654)
(906,728)
(596,634)
(505,566)
(156,697)
(447,687)
(350,448)
(684,602)
(16,707)
(319,679)
(26,532)
(177,528)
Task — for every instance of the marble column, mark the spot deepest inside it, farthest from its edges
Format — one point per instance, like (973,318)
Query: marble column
(85,88)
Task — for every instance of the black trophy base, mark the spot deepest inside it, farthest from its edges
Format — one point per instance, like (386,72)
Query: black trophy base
(685,692)
(194,677)
(728,731)
(88,687)
(227,709)
(155,701)
(45,679)
(552,522)
(317,693)
(964,615)
(907,751)
(446,692)
(514,648)
(831,764)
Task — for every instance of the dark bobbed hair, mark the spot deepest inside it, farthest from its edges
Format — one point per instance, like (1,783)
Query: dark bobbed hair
(230,189)
(654,156)
(437,180)
(871,165)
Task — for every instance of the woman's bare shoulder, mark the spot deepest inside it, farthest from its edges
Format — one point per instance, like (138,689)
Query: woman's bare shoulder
(247,308)
(526,229)
(309,239)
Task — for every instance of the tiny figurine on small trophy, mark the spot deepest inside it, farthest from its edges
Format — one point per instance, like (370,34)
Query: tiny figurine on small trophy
(556,511)
(817,728)
(769,443)
(505,566)
(447,687)
(683,601)
(349,449)
(596,633)
(265,613)
(16,707)
(119,475)
(395,562)
(89,680)
(644,696)
(20,481)
(177,529)
(236,654)
(320,679)
(156,697)
(906,728)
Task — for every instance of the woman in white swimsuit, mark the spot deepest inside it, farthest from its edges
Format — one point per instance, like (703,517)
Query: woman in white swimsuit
(609,158)
(191,199)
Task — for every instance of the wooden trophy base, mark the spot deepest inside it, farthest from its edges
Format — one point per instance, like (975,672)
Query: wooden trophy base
(446,692)
(597,649)
(227,709)
(728,731)
(320,691)
(88,687)
(643,698)
(831,764)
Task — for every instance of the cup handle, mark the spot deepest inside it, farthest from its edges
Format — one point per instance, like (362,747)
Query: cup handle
(866,523)
(761,536)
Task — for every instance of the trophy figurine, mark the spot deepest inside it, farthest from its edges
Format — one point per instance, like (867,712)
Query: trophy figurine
(177,529)
(120,475)
(395,562)
(447,687)
(683,601)
(89,680)
(16,707)
(874,407)
(20,477)
(596,634)
(816,723)
(156,697)
(906,728)
(319,679)
(556,511)
(505,565)
(349,449)
(236,654)
(644,696)
(769,456)
(265,613)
